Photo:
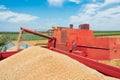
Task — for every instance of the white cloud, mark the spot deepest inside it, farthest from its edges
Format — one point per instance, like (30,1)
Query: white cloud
(85,14)
(76,1)
(59,3)
(10,16)
(111,1)
(55,2)
(106,19)
(94,0)
(91,9)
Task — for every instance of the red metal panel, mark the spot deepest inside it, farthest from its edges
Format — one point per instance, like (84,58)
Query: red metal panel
(93,42)
(114,44)
(57,35)
(4,55)
(97,54)
(101,42)
(62,47)
(106,69)
(63,36)
(96,48)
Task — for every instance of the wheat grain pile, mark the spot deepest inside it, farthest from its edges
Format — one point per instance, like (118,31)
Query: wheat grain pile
(36,63)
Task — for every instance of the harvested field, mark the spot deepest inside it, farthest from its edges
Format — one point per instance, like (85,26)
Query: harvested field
(36,63)
(33,42)
(36,42)
(116,36)
(114,62)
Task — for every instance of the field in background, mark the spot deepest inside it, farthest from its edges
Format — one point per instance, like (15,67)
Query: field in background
(114,62)
(26,36)
(3,40)
(0,45)
(107,33)
(11,37)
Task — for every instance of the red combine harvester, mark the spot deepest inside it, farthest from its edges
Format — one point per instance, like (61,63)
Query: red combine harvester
(82,42)
(81,45)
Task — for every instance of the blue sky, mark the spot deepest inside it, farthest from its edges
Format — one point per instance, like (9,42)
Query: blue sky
(42,14)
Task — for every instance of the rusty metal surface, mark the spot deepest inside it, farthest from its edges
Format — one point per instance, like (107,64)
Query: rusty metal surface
(63,36)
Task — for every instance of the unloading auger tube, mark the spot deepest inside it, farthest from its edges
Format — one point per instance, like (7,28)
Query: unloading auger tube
(51,41)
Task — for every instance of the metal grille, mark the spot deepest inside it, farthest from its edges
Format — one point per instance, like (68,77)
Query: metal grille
(63,36)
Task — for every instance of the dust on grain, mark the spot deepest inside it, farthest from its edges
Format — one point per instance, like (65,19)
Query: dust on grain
(36,63)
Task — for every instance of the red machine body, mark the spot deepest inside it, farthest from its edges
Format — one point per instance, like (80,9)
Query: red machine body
(82,42)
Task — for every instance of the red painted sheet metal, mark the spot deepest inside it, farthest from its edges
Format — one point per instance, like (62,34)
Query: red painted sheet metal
(93,53)
(105,69)
(4,55)
(114,44)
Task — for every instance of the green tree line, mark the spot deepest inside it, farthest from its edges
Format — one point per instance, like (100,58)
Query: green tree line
(3,41)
